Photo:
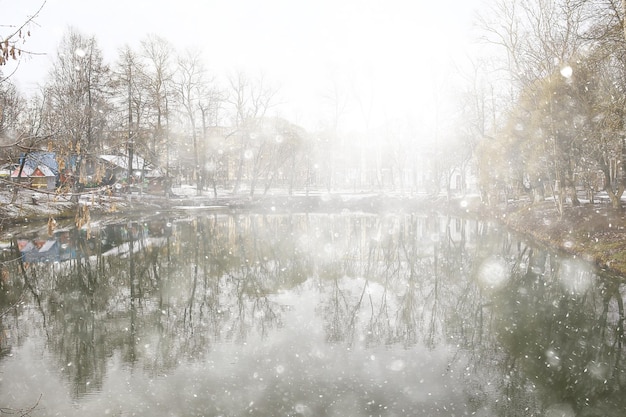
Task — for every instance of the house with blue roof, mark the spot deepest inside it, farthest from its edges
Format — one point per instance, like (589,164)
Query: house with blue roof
(37,170)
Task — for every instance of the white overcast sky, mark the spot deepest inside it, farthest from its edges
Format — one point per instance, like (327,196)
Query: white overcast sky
(392,55)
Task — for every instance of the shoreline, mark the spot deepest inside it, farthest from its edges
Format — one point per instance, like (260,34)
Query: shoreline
(595,232)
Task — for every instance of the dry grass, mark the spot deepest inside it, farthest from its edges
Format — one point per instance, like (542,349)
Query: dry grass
(595,232)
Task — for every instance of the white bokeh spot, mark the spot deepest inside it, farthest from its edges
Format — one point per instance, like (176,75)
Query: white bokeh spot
(567,71)
(493,272)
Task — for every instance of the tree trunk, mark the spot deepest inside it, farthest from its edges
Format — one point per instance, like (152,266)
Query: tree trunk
(240,165)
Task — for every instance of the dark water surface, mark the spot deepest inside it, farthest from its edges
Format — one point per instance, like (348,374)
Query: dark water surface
(345,314)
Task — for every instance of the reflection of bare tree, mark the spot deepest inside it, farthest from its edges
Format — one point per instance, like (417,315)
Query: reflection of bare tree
(550,328)
(15,289)
(79,339)
(342,313)
(21,412)
(253,308)
(155,295)
(395,257)
(611,331)
(134,285)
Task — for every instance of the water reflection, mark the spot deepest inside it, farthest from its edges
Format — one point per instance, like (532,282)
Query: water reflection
(306,314)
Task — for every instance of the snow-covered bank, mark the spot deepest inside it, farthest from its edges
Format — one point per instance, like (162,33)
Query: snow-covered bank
(595,232)
(31,206)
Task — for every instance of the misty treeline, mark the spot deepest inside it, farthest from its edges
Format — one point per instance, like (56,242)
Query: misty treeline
(220,132)
(538,113)
(556,130)
(157,102)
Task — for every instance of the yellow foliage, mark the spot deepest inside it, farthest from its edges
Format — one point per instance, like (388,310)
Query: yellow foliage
(52,224)
(83,218)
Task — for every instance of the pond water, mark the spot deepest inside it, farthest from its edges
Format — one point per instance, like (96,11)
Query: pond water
(312,314)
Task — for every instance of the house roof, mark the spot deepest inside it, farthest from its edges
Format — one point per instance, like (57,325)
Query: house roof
(155,173)
(121,161)
(38,164)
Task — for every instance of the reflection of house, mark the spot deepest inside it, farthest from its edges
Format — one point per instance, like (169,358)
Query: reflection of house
(39,250)
(73,244)
(38,170)
(57,248)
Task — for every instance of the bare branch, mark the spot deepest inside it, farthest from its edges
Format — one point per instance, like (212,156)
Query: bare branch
(8,46)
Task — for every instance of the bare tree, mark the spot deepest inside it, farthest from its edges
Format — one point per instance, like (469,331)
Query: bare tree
(12,44)
(190,84)
(537,37)
(336,98)
(10,107)
(129,87)
(211,100)
(277,146)
(250,99)
(78,99)
(540,38)
(158,54)
(479,108)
